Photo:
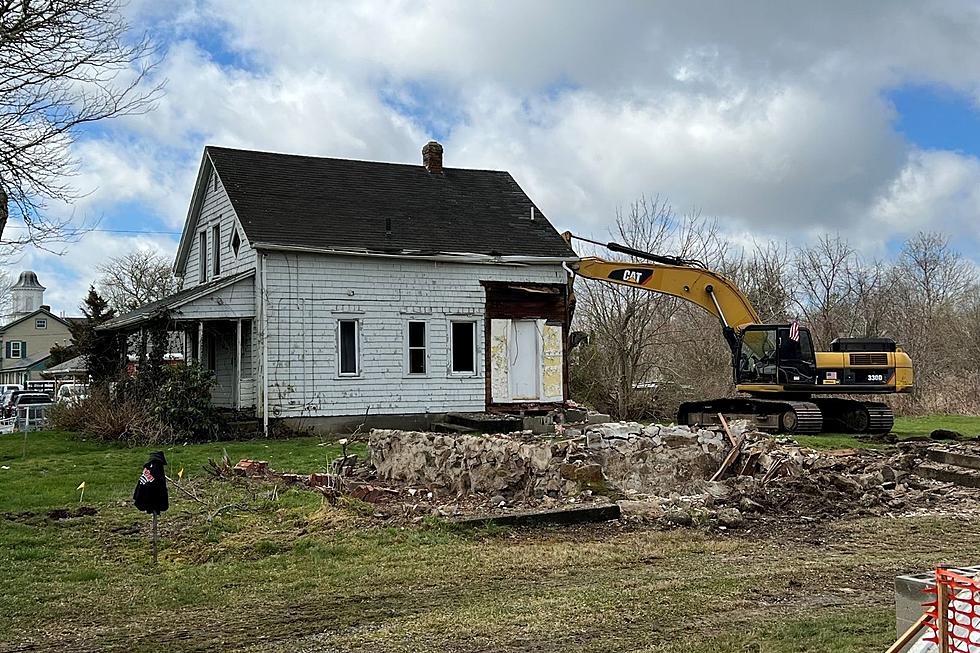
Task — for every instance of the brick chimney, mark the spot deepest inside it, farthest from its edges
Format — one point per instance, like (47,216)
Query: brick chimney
(432,157)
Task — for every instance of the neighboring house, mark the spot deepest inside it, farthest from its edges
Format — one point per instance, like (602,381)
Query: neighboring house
(29,332)
(329,289)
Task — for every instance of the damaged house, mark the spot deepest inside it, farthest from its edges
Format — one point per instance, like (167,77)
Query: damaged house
(326,290)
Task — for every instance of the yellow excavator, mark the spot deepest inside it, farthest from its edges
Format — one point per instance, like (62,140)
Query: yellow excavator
(784,385)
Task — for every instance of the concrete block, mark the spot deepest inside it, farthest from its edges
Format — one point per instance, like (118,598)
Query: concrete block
(540,424)
(910,595)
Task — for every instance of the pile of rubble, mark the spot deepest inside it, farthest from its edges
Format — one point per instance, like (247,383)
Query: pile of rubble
(606,457)
(669,474)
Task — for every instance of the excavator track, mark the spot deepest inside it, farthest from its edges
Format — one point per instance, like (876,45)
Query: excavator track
(774,415)
(819,415)
(851,416)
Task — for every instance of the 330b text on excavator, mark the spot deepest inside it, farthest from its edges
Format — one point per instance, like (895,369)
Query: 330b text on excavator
(783,384)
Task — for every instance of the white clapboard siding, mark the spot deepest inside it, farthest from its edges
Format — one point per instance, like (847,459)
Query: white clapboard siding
(231,302)
(309,293)
(216,209)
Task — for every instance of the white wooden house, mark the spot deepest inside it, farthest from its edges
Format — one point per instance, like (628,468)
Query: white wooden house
(327,289)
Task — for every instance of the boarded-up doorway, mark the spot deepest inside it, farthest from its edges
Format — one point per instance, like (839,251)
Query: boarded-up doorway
(525,361)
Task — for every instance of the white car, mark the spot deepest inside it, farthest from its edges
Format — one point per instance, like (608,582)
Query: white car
(7,389)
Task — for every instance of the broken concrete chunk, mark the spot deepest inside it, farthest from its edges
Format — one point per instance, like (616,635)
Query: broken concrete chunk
(730,518)
(677,517)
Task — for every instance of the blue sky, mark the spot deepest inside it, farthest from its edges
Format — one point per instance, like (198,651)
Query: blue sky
(937,118)
(783,122)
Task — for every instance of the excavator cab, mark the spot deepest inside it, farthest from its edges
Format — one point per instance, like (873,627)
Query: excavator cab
(769,355)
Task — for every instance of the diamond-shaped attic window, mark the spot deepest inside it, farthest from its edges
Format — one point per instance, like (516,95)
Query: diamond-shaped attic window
(236,242)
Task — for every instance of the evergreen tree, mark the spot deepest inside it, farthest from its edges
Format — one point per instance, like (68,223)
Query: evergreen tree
(101,349)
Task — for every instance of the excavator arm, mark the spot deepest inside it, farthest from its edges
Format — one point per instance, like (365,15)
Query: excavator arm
(681,278)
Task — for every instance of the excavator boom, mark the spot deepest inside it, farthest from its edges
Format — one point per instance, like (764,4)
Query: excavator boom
(709,290)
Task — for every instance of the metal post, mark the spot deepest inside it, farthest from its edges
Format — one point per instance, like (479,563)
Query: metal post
(155,516)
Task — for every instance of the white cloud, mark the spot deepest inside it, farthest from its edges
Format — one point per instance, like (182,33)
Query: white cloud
(935,191)
(67,278)
(769,116)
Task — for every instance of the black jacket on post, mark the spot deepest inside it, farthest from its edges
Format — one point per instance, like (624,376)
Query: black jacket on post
(150,495)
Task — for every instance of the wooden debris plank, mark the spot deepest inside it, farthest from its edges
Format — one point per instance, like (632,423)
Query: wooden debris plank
(577,515)
(729,459)
(728,431)
(909,635)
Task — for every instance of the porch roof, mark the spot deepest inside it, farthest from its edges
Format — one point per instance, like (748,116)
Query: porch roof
(77,365)
(24,364)
(174,302)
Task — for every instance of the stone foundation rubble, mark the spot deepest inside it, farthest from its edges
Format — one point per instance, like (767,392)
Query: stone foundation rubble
(623,457)
(670,474)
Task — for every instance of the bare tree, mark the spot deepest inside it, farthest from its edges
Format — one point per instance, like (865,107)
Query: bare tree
(823,291)
(6,301)
(63,64)
(764,276)
(136,279)
(642,343)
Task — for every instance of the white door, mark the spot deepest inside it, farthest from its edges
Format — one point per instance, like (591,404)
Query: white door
(525,361)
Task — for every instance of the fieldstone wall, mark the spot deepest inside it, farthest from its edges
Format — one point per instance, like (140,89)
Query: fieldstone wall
(625,456)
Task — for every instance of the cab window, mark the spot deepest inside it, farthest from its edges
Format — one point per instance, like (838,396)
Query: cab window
(757,359)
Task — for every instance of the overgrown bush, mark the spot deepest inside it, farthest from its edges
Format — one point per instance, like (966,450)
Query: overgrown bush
(174,406)
(102,418)
(183,402)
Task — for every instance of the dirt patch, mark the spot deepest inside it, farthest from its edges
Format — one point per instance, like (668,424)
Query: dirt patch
(59,514)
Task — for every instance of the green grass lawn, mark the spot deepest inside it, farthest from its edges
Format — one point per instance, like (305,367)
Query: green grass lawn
(256,568)
(905,427)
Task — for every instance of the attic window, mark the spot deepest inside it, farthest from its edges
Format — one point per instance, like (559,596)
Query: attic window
(214,181)
(41,323)
(236,242)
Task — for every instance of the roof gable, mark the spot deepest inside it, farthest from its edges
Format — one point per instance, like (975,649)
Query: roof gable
(43,311)
(286,200)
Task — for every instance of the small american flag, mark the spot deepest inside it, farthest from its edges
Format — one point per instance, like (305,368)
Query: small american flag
(794,331)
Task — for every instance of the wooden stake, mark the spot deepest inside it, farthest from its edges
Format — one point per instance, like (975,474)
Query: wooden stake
(729,459)
(909,635)
(728,431)
(155,515)
(942,615)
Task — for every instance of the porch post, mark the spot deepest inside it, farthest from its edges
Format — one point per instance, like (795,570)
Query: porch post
(200,342)
(238,363)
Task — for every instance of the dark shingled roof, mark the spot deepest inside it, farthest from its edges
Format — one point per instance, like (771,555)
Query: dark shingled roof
(290,200)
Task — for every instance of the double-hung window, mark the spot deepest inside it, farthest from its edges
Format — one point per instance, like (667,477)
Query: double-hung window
(16,349)
(416,348)
(463,347)
(349,348)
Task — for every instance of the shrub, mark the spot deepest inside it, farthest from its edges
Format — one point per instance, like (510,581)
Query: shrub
(106,419)
(174,405)
(183,402)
